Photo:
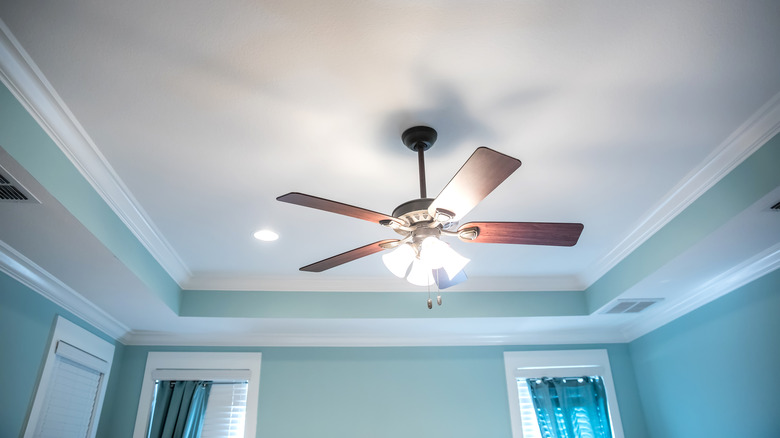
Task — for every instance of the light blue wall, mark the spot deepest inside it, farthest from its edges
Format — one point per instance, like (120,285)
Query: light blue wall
(719,362)
(31,146)
(714,372)
(746,184)
(26,320)
(325,392)
(452,392)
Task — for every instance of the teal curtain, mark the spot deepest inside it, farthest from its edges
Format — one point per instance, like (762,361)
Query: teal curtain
(179,408)
(571,407)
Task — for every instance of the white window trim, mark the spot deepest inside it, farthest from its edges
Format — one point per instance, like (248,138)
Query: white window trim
(562,363)
(195,366)
(102,353)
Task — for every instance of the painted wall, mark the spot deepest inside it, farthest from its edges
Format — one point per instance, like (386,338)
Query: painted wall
(714,372)
(427,392)
(26,321)
(326,392)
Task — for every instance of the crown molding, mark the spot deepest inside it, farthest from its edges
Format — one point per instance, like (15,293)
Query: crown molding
(244,339)
(748,138)
(378,284)
(718,286)
(31,88)
(36,278)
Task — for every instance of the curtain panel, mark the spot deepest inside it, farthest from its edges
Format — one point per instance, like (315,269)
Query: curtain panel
(179,408)
(571,407)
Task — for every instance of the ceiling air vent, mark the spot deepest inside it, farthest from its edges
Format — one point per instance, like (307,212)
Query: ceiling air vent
(12,191)
(631,305)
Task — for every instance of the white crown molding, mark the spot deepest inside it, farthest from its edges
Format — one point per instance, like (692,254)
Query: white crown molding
(36,278)
(736,277)
(378,284)
(748,138)
(280,340)
(31,88)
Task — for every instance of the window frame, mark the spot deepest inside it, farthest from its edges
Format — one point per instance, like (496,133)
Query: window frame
(200,366)
(89,343)
(559,363)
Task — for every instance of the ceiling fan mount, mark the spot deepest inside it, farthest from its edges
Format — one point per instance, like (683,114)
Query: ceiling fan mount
(420,219)
(415,213)
(419,137)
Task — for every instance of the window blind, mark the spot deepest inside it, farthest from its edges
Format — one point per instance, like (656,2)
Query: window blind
(69,405)
(225,411)
(530,424)
(81,357)
(201,374)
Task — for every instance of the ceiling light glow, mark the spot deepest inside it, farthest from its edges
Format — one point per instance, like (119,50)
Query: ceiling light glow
(420,274)
(399,260)
(266,235)
(432,261)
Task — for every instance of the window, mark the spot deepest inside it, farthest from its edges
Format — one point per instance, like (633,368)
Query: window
(231,410)
(72,385)
(226,411)
(521,366)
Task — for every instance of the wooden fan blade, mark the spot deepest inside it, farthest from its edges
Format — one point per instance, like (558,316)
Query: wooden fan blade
(340,259)
(523,233)
(485,170)
(334,207)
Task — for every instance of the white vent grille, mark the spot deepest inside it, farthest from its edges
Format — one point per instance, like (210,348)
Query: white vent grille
(630,305)
(12,191)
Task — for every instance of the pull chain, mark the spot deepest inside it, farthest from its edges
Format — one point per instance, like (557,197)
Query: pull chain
(438,292)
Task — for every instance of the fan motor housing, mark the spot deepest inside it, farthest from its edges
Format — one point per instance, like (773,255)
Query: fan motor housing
(415,214)
(414,211)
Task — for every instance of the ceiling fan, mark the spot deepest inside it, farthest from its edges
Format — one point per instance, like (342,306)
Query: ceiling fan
(420,255)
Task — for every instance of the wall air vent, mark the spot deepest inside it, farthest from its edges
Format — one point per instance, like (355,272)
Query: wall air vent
(12,191)
(633,305)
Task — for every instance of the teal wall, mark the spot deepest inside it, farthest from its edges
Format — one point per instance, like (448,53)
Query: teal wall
(326,392)
(26,321)
(710,373)
(31,146)
(714,372)
(751,180)
(452,392)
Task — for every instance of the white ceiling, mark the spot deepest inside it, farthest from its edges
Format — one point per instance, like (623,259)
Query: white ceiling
(202,113)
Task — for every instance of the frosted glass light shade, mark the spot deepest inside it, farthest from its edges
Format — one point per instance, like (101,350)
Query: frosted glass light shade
(442,280)
(433,252)
(454,263)
(399,259)
(420,275)
(438,254)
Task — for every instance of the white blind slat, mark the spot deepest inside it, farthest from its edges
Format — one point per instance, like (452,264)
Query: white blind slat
(225,411)
(530,423)
(70,401)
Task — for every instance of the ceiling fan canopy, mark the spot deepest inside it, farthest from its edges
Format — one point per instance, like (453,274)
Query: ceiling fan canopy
(423,221)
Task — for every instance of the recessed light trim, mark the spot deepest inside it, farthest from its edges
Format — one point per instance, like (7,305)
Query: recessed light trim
(265,235)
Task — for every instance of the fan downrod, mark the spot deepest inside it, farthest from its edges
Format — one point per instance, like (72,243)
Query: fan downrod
(419,137)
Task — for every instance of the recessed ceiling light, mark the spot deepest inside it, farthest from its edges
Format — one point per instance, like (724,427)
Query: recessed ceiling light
(266,235)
